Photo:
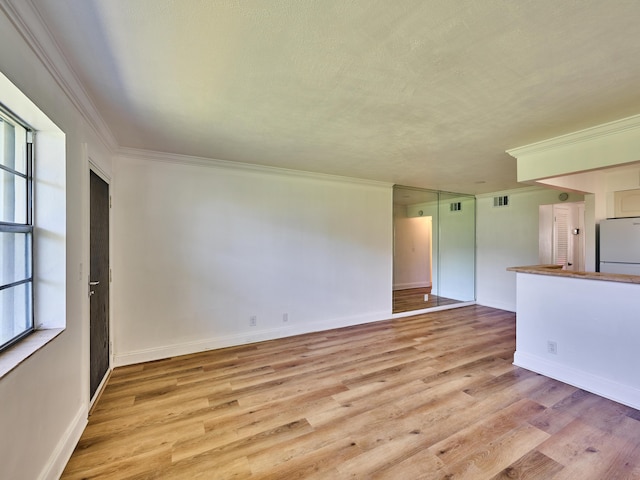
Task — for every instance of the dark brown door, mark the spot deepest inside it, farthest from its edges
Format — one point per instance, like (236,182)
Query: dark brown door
(99,281)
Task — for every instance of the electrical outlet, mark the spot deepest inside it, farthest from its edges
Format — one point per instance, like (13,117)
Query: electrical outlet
(426,297)
(552,347)
(253,321)
(285,317)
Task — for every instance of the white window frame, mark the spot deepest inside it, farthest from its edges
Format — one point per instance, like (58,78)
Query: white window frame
(50,230)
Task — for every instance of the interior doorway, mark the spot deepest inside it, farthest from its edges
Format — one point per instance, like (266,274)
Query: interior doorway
(412,262)
(561,235)
(99,342)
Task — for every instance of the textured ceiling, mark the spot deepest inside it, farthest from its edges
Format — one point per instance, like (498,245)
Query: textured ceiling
(426,93)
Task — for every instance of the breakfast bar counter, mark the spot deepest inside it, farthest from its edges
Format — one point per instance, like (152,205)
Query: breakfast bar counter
(556,270)
(582,328)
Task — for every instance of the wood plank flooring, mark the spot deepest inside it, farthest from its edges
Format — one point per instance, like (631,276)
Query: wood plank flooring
(413,299)
(433,396)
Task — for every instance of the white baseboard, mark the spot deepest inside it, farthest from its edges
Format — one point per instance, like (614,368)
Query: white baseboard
(604,387)
(242,338)
(62,453)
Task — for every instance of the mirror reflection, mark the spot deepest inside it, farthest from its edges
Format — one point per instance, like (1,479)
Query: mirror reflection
(434,249)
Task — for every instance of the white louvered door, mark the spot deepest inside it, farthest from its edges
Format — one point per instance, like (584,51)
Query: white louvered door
(562,247)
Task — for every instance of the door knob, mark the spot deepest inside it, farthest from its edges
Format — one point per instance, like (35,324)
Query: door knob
(92,284)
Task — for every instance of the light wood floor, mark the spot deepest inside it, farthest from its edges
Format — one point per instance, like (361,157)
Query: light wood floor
(433,396)
(413,299)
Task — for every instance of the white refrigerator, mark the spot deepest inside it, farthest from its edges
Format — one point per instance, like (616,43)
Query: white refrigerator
(620,245)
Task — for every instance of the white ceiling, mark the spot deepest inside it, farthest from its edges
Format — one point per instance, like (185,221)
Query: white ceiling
(426,93)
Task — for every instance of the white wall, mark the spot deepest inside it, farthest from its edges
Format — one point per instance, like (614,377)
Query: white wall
(201,249)
(456,255)
(508,237)
(412,250)
(44,399)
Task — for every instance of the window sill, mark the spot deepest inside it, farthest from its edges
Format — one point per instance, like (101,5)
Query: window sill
(26,347)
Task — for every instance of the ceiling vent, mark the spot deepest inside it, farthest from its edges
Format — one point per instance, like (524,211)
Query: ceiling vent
(502,201)
(455,206)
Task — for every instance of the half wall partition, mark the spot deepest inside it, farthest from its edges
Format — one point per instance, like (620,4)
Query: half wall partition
(434,249)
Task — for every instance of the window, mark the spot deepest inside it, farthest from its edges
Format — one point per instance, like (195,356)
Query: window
(16,230)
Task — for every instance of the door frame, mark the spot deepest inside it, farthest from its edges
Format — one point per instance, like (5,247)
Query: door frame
(84,271)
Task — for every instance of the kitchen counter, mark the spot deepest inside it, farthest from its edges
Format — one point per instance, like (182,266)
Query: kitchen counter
(580,328)
(556,270)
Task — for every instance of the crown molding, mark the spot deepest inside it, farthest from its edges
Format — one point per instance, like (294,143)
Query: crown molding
(179,159)
(29,23)
(591,133)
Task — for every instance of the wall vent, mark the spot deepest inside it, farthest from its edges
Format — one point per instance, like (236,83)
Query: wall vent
(455,206)
(502,201)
